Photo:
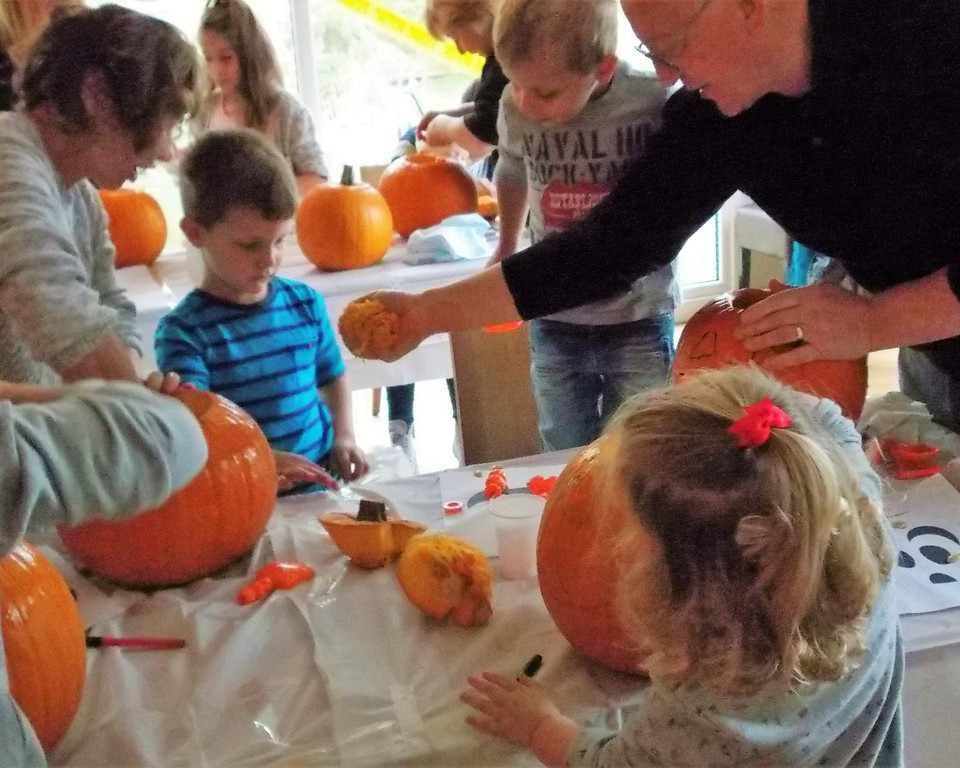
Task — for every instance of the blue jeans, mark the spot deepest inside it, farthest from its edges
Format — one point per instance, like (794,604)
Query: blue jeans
(923,381)
(581,374)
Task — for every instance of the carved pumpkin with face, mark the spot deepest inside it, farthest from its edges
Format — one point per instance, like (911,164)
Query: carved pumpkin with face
(707,341)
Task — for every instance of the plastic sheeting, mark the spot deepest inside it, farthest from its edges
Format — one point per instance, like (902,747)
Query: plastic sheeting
(343,671)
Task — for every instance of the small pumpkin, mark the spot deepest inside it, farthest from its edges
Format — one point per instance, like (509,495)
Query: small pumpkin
(136,225)
(344,226)
(43,640)
(371,539)
(708,341)
(424,189)
(446,576)
(578,577)
(217,517)
(367,329)
(488,207)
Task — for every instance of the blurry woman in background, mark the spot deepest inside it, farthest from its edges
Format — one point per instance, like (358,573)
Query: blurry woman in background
(21,22)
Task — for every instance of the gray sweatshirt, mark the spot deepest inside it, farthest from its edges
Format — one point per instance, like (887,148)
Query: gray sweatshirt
(105,449)
(568,168)
(58,294)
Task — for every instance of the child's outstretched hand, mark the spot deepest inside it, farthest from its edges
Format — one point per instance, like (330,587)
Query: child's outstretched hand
(348,461)
(294,469)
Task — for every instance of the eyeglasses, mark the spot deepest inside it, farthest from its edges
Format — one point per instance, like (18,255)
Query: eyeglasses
(665,60)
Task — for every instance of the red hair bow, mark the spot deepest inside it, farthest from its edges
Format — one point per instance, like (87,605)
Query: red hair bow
(753,428)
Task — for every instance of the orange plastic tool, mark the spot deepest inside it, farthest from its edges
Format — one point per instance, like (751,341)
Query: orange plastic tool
(275,575)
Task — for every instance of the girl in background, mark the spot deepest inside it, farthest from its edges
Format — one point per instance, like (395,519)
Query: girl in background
(758,578)
(244,89)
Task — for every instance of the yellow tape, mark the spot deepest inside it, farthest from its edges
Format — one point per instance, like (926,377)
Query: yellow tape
(415,33)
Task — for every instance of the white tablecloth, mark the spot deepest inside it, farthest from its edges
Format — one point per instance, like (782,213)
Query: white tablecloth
(344,671)
(158,288)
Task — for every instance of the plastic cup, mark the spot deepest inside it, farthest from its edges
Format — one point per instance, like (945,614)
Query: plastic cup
(516,518)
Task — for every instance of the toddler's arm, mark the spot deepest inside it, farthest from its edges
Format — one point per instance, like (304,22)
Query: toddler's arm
(346,458)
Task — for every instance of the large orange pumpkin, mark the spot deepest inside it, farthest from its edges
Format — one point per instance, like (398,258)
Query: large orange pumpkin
(707,341)
(214,519)
(578,578)
(344,226)
(43,642)
(137,226)
(423,189)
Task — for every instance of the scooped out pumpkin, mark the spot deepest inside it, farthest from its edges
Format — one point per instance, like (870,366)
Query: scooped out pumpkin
(577,573)
(423,190)
(344,226)
(136,226)
(708,341)
(43,641)
(446,576)
(367,329)
(217,517)
(371,539)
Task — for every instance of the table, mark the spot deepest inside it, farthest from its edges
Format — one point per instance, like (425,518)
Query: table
(157,288)
(345,672)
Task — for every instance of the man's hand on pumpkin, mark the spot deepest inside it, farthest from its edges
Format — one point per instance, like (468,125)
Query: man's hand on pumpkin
(829,322)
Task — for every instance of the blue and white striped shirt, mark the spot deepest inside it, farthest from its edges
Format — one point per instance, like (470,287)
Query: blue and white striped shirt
(269,358)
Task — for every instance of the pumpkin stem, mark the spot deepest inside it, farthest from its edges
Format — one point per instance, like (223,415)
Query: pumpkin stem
(347,178)
(372,511)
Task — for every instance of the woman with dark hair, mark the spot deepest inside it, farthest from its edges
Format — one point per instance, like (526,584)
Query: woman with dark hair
(102,92)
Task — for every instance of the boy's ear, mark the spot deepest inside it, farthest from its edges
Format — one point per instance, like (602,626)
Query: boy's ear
(606,68)
(193,231)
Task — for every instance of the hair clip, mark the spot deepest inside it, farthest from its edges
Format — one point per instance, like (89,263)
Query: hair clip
(753,428)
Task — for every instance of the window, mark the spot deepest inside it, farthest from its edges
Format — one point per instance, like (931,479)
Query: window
(367,71)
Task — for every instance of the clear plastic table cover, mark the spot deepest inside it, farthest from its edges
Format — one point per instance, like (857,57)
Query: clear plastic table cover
(344,671)
(341,670)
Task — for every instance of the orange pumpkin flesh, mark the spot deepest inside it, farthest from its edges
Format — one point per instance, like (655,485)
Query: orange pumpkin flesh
(217,517)
(423,190)
(367,329)
(707,341)
(577,575)
(136,225)
(344,226)
(369,544)
(43,642)
(445,576)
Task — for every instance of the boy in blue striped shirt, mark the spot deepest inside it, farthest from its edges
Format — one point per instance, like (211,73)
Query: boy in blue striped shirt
(262,341)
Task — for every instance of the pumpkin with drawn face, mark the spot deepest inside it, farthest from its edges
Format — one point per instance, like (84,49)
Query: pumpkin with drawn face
(708,341)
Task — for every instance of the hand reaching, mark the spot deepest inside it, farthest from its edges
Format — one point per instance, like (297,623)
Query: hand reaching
(293,469)
(414,325)
(509,709)
(348,461)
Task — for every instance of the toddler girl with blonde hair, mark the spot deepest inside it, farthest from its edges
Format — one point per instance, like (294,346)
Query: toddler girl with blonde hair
(758,579)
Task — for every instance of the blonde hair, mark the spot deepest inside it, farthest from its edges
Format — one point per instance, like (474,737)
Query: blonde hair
(22,23)
(442,16)
(770,558)
(260,76)
(585,31)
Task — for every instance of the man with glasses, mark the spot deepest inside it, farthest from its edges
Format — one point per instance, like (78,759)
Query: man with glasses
(841,120)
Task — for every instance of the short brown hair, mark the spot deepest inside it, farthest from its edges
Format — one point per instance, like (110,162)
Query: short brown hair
(585,30)
(443,15)
(236,169)
(147,65)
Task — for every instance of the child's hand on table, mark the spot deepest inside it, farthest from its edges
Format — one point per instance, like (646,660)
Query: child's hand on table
(507,708)
(294,469)
(348,461)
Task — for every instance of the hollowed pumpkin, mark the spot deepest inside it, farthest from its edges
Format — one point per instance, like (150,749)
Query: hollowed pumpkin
(371,539)
(446,576)
(136,225)
(217,517)
(707,341)
(344,226)
(423,189)
(43,642)
(578,578)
